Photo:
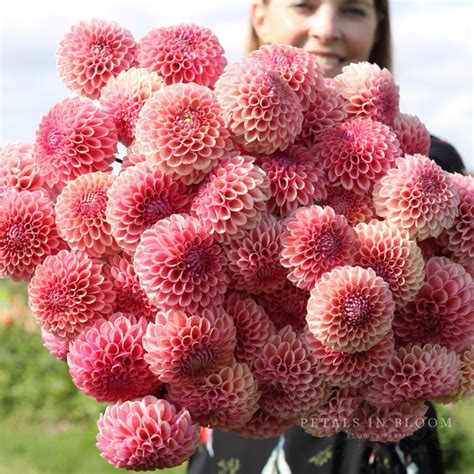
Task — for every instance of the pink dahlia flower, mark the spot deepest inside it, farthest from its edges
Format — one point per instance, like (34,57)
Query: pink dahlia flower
(415,373)
(138,198)
(354,207)
(129,295)
(351,369)
(93,52)
(393,257)
(412,135)
(184,348)
(264,425)
(58,347)
(124,96)
(388,423)
(68,293)
(183,53)
(81,217)
(296,179)
(27,233)
(263,113)
(443,310)
(350,309)
(184,131)
(356,153)
(18,169)
(417,195)
(146,434)
(286,306)
(254,259)
(333,415)
(253,326)
(232,198)
(74,138)
(180,266)
(288,377)
(132,157)
(226,399)
(315,241)
(369,92)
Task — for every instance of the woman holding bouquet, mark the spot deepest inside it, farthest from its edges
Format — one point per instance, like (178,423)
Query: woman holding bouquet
(337,32)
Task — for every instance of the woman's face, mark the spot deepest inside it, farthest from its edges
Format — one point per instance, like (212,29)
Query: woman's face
(338,32)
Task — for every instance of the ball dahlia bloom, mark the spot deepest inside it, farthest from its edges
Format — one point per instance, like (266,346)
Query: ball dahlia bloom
(146,434)
(81,216)
(315,241)
(232,198)
(138,198)
(264,425)
(356,153)
(263,113)
(254,260)
(369,92)
(124,96)
(93,52)
(18,169)
(296,179)
(412,135)
(417,195)
(353,206)
(180,266)
(106,361)
(393,257)
(351,369)
(226,399)
(183,53)
(184,348)
(68,293)
(388,423)
(252,324)
(183,130)
(415,373)
(58,347)
(133,157)
(288,376)
(350,309)
(74,138)
(443,310)
(28,233)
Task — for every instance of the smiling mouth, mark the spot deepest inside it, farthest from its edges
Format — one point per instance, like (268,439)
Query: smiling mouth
(329,62)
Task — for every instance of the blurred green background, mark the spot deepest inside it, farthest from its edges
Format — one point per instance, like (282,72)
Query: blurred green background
(47,426)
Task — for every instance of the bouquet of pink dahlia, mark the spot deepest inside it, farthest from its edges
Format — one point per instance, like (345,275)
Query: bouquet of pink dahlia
(276,249)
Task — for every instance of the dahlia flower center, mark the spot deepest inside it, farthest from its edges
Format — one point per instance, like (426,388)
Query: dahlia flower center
(55,140)
(184,44)
(340,203)
(266,272)
(157,209)
(198,362)
(430,185)
(431,324)
(348,136)
(281,60)
(198,261)
(382,271)
(328,244)
(283,159)
(101,50)
(93,204)
(190,120)
(356,310)
(16,237)
(58,301)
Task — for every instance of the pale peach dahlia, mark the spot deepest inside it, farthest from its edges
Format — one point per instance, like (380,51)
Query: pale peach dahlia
(180,266)
(296,179)
(184,348)
(68,292)
(393,257)
(412,135)
(442,311)
(28,233)
(183,53)
(417,195)
(315,241)
(138,198)
(124,96)
(74,137)
(263,113)
(415,373)
(81,216)
(350,309)
(356,153)
(106,361)
(369,92)
(93,52)
(231,199)
(146,434)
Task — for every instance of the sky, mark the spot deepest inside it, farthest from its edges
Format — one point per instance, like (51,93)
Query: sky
(433,49)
